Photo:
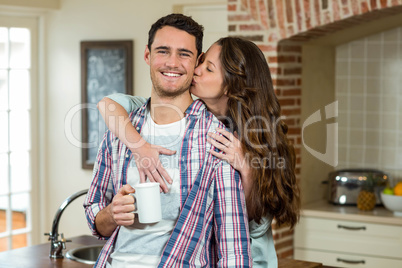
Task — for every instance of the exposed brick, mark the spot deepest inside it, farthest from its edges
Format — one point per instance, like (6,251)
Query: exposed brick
(271,14)
(283,244)
(232,28)
(299,140)
(267,48)
(294,111)
(252,27)
(307,14)
(263,13)
(272,60)
(275,236)
(294,70)
(299,16)
(280,16)
(373,4)
(294,131)
(326,17)
(297,170)
(285,82)
(395,2)
(364,7)
(355,7)
(290,30)
(232,7)
(286,59)
(345,11)
(253,10)
(336,13)
(383,3)
(244,5)
(239,18)
(254,38)
(273,70)
(287,102)
(317,12)
(273,37)
(286,254)
(345,2)
(291,92)
(289,11)
(290,122)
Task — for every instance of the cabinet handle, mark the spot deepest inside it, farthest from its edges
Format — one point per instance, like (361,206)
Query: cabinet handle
(351,228)
(350,261)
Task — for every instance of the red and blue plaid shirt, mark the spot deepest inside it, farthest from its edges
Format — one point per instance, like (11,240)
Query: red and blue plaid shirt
(212,228)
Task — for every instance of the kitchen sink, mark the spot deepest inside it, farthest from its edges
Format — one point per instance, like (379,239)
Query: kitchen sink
(87,254)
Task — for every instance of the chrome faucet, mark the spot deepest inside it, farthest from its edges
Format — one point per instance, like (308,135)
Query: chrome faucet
(56,245)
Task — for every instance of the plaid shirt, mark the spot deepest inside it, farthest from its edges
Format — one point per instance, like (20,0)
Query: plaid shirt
(213,212)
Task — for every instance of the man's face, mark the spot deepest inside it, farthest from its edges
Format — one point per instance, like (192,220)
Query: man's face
(172,60)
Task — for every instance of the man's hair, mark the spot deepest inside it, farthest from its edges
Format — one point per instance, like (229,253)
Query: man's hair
(181,22)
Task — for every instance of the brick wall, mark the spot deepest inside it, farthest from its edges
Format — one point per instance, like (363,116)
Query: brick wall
(279,28)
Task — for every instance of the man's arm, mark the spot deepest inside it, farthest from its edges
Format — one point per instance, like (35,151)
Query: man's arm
(231,229)
(104,211)
(118,213)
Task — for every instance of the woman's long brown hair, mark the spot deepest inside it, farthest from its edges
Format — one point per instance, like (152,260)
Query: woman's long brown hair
(255,111)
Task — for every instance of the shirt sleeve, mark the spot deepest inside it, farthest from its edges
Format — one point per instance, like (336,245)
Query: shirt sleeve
(100,193)
(128,102)
(231,228)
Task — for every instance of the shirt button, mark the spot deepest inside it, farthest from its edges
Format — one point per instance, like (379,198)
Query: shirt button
(137,128)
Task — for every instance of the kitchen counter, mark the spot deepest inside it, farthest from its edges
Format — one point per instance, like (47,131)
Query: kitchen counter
(38,256)
(323,209)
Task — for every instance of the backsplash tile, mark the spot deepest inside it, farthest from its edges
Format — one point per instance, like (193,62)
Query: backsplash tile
(368,88)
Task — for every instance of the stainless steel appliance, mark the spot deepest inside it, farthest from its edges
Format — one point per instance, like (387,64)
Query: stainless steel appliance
(344,185)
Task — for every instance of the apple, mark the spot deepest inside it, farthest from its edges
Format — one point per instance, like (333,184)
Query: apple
(388,190)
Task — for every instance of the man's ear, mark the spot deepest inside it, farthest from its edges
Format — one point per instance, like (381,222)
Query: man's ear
(200,59)
(147,55)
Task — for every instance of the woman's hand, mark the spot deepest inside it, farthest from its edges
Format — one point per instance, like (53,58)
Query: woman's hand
(230,145)
(149,166)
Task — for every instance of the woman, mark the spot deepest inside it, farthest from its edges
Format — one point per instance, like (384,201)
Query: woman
(234,81)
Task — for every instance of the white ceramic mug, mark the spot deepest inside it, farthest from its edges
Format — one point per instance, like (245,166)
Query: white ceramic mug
(147,201)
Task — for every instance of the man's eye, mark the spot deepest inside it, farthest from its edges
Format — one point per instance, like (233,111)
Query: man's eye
(209,70)
(184,55)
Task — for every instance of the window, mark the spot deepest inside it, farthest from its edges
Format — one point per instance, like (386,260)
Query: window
(16,132)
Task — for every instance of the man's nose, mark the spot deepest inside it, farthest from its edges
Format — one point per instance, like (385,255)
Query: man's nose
(173,61)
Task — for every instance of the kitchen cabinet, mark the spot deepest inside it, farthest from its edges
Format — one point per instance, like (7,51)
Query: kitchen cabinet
(347,237)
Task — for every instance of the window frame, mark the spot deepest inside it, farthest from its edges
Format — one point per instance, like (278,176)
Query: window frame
(32,22)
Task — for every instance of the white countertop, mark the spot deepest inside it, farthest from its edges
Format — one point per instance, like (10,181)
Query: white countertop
(323,209)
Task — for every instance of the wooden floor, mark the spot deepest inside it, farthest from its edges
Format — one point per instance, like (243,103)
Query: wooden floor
(18,222)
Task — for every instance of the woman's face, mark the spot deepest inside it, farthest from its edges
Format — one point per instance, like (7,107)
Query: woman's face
(208,79)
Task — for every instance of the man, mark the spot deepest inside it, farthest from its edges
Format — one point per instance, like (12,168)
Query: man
(204,208)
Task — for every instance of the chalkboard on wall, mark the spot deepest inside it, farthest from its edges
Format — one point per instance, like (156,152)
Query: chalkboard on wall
(106,68)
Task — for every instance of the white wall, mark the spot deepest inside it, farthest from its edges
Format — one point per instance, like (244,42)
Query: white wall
(78,20)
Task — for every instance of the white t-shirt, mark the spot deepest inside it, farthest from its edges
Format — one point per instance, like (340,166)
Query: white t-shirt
(141,245)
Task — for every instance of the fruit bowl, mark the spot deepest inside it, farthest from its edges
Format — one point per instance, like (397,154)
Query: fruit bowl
(393,203)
